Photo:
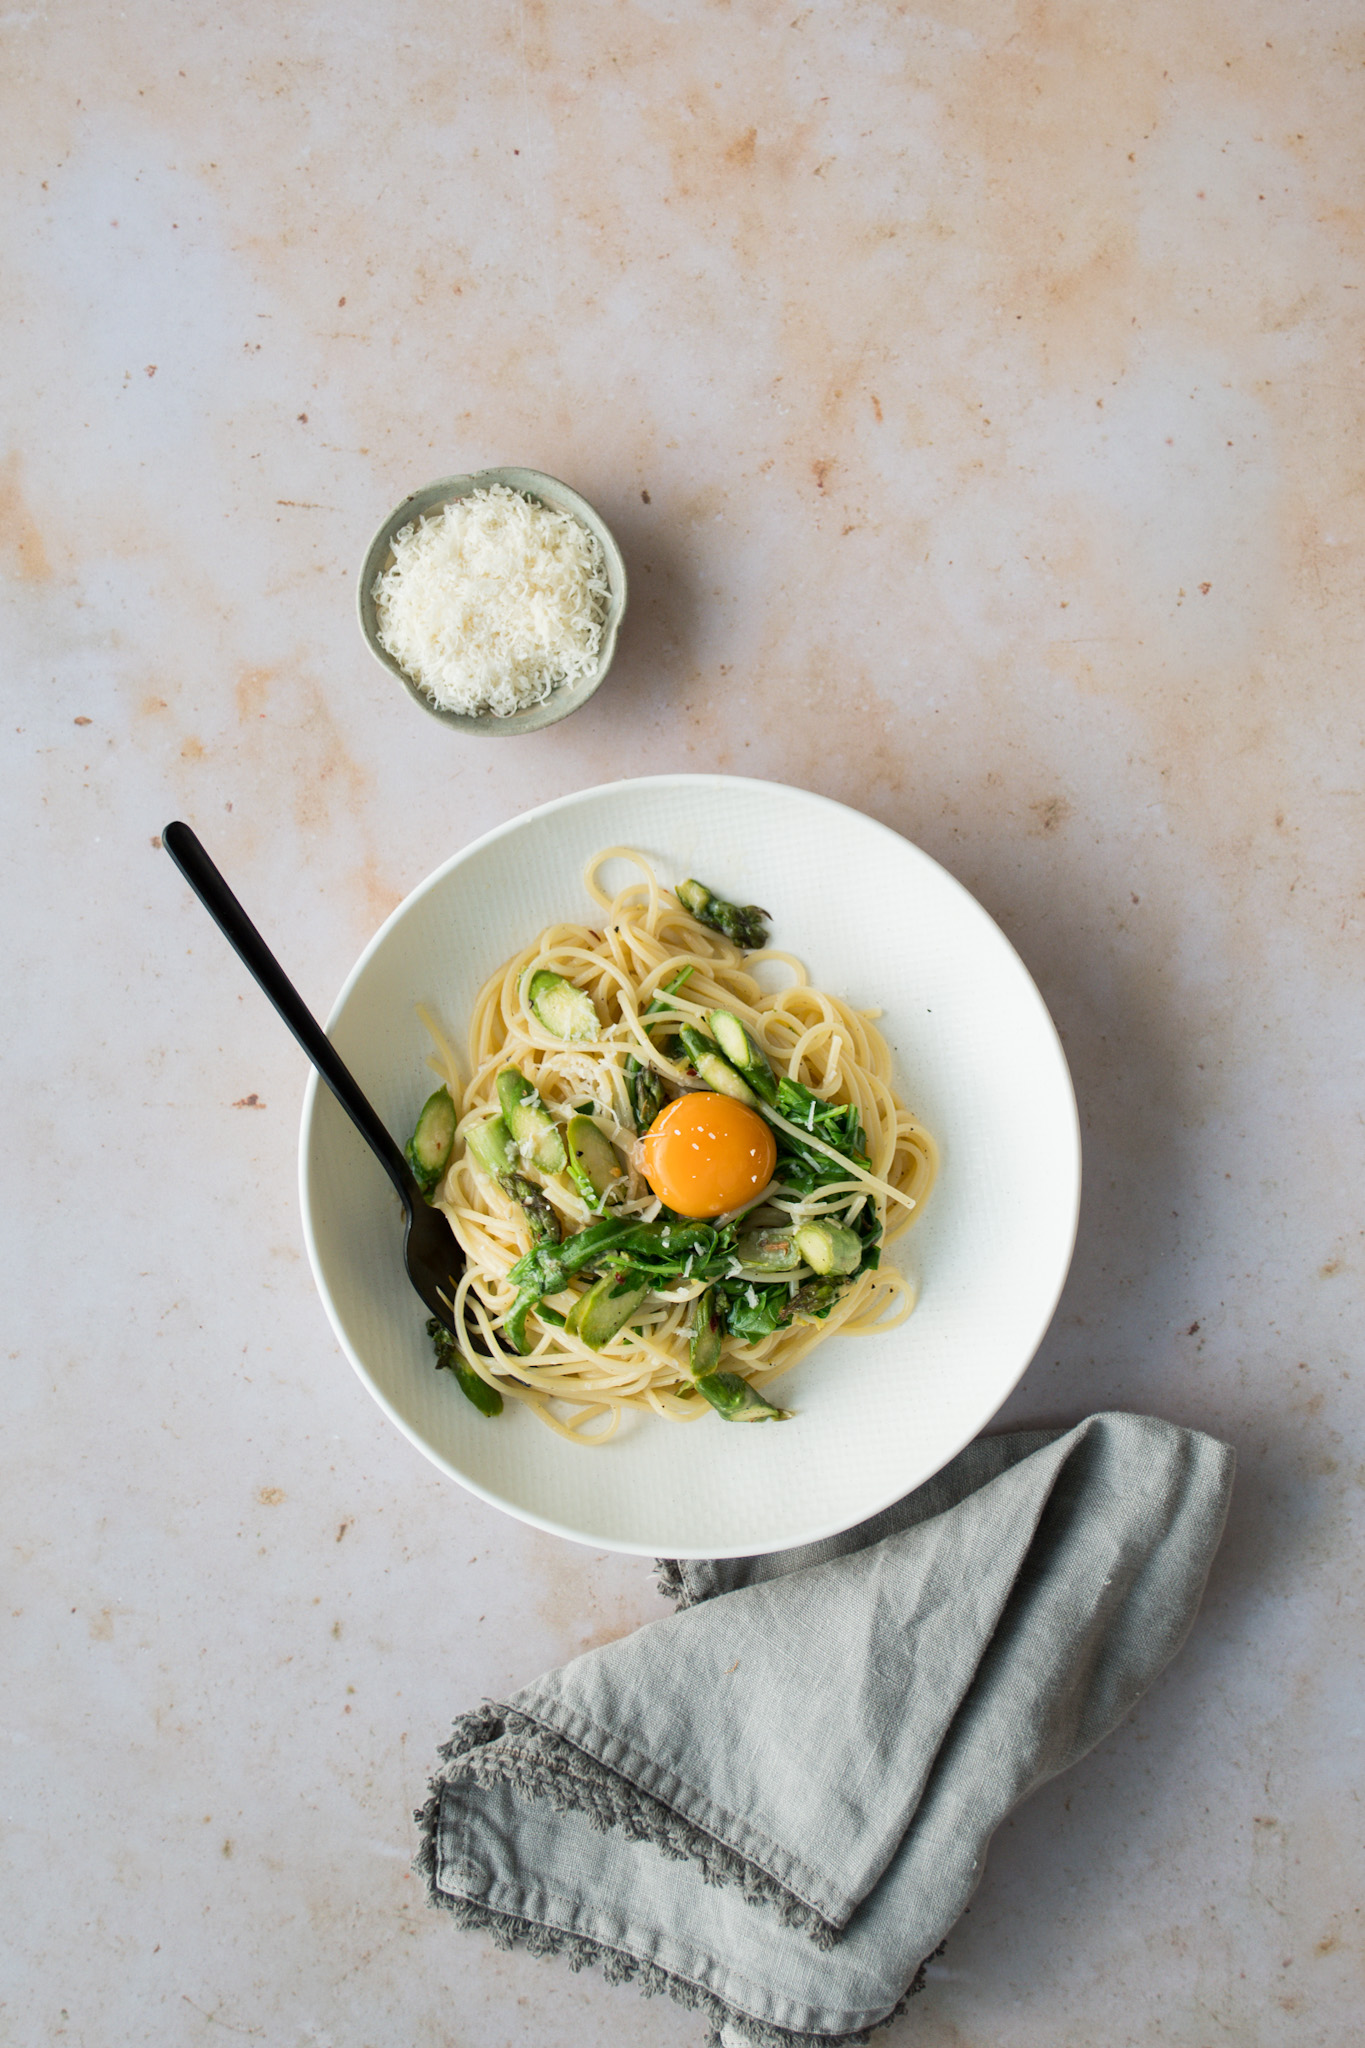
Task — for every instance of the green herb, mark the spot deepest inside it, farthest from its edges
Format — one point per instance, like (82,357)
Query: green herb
(660,1254)
(753,1311)
(801,1167)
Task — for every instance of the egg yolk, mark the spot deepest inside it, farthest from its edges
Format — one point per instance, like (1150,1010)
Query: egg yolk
(705,1154)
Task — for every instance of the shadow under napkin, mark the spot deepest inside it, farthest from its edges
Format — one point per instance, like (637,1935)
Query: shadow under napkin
(775,1803)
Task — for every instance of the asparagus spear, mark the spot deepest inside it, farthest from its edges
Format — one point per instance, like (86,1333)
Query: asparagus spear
(658,1001)
(713,1067)
(744,1053)
(745,925)
(644,1086)
(486,1399)
(428,1149)
(708,1327)
(731,1395)
(735,1400)
(607,1307)
(646,1089)
(490,1146)
(814,1300)
(530,1123)
(535,1206)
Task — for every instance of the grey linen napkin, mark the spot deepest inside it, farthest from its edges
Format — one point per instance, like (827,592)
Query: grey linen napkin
(775,1803)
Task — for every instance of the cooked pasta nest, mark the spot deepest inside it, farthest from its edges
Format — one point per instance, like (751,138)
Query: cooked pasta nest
(640,941)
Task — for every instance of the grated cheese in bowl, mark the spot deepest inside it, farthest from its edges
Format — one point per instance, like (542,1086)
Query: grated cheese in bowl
(491,601)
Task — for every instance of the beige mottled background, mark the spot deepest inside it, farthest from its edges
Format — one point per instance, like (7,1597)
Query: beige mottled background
(976,392)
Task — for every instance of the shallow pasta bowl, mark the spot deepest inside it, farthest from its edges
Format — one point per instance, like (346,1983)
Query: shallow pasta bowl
(545,490)
(976,1056)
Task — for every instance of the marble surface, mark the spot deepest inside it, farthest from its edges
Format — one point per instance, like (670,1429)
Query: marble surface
(975,391)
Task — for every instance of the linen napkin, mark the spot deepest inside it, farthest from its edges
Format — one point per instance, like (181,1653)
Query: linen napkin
(774,1803)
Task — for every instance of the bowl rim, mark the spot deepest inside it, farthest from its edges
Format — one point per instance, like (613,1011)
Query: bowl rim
(549,490)
(547,1522)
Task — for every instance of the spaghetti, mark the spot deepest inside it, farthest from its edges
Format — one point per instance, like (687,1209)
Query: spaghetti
(849,1157)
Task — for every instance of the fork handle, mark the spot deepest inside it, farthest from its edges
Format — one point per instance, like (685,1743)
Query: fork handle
(241,934)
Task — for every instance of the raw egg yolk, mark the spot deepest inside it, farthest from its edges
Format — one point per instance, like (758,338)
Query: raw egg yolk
(705,1154)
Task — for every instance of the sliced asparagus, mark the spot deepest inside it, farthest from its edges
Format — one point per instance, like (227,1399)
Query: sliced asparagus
(606,1308)
(486,1399)
(733,1399)
(428,1149)
(713,1067)
(719,1075)
(708,1327)
(736,1401)
(490,1146)
(769,1249)
(566,1012)
(744,925)
(594,1163)
(744,1053)
(533,1128)
(829,1247)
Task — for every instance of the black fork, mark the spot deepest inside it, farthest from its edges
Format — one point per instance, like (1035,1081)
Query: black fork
(433,1259)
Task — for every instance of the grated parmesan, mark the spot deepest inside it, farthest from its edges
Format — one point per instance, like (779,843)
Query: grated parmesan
(493,601)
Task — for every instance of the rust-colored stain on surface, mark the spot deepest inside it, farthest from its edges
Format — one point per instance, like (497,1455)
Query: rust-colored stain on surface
(1051,812)
(21,539)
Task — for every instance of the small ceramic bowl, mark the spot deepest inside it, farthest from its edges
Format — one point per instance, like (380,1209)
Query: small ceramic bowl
(545,490)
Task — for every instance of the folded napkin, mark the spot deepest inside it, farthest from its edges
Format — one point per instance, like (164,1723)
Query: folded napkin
(775,1803)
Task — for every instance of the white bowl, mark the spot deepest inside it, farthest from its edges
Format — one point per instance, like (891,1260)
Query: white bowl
(976,1056)
(544,490)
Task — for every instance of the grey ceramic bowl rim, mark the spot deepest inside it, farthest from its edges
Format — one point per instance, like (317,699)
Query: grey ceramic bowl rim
(547,490)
